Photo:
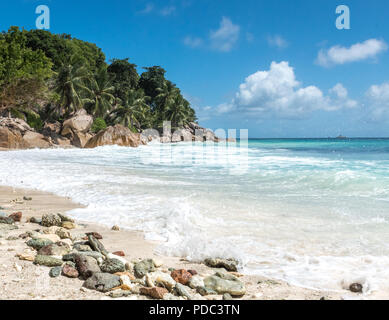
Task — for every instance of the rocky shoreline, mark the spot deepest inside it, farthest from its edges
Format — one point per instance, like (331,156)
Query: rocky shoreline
(87,261)
(76,132)
(84,257)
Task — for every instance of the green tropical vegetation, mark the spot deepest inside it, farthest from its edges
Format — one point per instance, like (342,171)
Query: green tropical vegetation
(48,77)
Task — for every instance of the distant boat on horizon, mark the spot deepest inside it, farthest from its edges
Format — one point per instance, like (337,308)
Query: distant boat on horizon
(340,137)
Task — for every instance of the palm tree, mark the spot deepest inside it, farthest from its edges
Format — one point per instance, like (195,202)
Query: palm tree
(177,112)
(133,111)
(100,90)
(69,85)
(166,95)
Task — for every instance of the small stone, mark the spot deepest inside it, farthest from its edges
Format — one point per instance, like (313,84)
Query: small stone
(112,266)
(126,282)
(228,264)
(69,271)
(6,220)
(119,293)
(227,296)
(196,281)
(23,235)
(55,272)
(49,220)
(102,282)
(356,288)
(82,247)
(96,235)
(27,198)
(16,216)
(12,238)
(26,257)
(205,291)
(192,272)
(116,228)
(68,225)
(160,279)
(119,253)
(65,218)
(182,276)
(47,261)
(86,266)
(35,220)
(38,244)
(55,249)
(155,293)
(183,291)
(63,233)
(72,256)
(144,267)
(225,283)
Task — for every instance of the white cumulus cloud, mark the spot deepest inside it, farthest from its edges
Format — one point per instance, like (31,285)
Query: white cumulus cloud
(276,92)
(224,38)
(368,49)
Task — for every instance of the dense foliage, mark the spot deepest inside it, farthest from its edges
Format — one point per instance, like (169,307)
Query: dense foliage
(44,76)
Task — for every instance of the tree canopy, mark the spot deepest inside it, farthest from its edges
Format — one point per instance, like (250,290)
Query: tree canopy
(50,76)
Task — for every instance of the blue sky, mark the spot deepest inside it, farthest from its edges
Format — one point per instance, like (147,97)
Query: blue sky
(279,68)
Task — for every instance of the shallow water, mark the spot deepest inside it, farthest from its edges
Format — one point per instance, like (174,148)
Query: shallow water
(314,212)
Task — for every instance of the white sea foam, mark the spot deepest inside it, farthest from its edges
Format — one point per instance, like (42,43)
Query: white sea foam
(314,221)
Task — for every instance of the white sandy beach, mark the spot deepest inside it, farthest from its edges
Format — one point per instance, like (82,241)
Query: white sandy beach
(32,282)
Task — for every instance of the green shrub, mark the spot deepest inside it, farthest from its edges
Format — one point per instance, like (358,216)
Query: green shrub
(34,121)
(98,125)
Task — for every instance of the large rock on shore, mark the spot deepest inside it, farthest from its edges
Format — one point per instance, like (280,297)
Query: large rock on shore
(80,122)
(17,134)
(182,135)
(36,140)
(11,140)
(116,135)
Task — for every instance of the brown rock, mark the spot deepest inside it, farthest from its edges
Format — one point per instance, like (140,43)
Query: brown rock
(15,125)
(182,276)
(17,216)
(155,292)
(356,288)
(119,253)
(69,271)
(11,140)
(116,228)
(86,265)
(54,249)
(192,272)
(51,128)
(80,122)
(36,140)
(97,235)
(116,135)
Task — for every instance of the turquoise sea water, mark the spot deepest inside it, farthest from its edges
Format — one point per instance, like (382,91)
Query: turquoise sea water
(314,212)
